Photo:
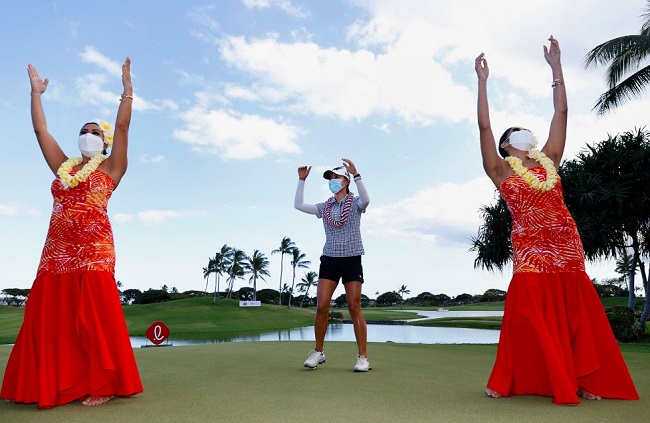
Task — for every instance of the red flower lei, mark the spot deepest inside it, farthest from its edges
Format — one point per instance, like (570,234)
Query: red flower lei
(344,214)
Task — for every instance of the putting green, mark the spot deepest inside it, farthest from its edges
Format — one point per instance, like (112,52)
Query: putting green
(265,382)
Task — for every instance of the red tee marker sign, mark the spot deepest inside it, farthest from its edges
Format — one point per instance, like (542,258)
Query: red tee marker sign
(157,333)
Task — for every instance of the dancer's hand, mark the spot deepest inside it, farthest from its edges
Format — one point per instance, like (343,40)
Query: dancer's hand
(126,77)
(481,66)
(38,85)
(303,172)
(552,53)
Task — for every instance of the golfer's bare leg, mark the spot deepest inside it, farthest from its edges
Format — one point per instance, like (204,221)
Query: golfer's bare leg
(353,297)
(324,294)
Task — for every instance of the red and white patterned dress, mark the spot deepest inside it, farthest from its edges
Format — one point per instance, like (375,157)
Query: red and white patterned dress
(74,341)
(555,336)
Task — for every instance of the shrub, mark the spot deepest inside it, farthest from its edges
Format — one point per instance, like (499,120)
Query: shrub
(335,316)
(623,323)
(152,296)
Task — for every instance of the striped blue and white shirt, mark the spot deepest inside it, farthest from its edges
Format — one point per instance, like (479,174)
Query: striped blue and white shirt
(346,240)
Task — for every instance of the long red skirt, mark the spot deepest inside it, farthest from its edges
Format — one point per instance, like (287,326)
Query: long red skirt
(73,343)
(555,338)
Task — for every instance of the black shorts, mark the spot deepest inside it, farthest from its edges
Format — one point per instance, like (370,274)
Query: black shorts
(346,268)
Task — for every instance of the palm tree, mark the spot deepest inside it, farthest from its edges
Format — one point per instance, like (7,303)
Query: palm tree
(297,260)
(624,55)
(285,248)
(258,267)
(492,244)
(220,265)
(626,265)
(237,268)
(403,290)
(310,279)
(206,274)
(284,288)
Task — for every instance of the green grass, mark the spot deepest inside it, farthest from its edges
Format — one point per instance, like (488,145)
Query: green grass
(265,382)
(380,314)
(11,318)
(198,318)
(622,302)
(193,318)
(491,322)
(495,306)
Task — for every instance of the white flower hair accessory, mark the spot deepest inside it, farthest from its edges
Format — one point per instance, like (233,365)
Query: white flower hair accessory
(108,131)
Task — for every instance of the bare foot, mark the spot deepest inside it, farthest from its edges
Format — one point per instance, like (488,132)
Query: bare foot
(92,400)
(492,393)
(587,395)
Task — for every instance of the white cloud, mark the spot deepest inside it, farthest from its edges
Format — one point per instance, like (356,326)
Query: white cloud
(414,62)
(6,210)
(351,84)
(91,87)
(92,55)
(206,26)
(234,135)
(284,5)
(445,215)
(148,158)
(384,127)
(155,217)
(13,210)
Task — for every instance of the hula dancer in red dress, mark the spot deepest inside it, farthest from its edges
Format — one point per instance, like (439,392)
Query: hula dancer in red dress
(555,338)
(74,342)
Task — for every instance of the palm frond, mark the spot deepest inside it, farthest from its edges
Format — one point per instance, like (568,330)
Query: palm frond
(632,87)
(628,61)
(631,45)
(645,28)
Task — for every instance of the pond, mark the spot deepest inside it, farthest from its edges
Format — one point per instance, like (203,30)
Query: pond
(405,334)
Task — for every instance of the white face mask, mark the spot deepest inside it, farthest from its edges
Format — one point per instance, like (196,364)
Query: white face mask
(523,140)
(90,145)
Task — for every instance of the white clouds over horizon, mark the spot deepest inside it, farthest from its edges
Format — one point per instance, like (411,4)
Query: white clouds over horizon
(155,217)
(446,215)
(16,210)
(234,135)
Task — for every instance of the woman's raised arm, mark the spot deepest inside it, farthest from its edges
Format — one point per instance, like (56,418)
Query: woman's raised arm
(51,150)
(554,147)
(491,160)
(118,161)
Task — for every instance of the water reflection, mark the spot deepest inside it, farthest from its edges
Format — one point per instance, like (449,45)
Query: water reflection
(376,333)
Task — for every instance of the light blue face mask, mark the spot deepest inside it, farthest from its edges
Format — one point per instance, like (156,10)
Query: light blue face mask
(335,185)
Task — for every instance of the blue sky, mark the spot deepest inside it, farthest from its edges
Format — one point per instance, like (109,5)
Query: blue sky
(232,96)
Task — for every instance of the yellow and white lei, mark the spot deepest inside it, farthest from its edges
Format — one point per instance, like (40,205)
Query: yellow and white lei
(81,175)
(530,178)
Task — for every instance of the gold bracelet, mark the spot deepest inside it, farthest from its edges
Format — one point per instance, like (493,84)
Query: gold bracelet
(123,96)
(557,82)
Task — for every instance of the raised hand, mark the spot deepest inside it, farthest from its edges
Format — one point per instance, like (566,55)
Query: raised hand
(351,168)
(481,66)
(303,172)
(126,77)
(552,53)
(38,85)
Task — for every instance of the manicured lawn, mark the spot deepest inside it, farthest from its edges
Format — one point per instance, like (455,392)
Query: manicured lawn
(198,318)
(10,320)
(266,382)
(492,322)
